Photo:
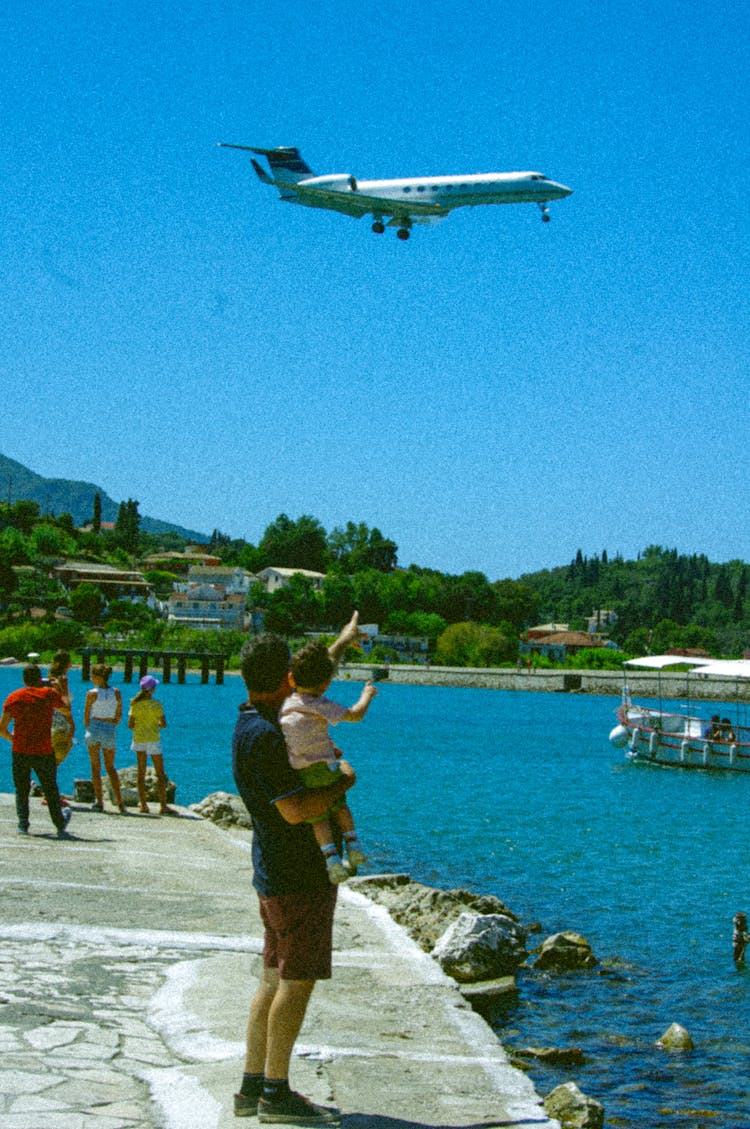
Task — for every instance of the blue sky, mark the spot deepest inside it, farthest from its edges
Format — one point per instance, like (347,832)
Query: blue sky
(494,394)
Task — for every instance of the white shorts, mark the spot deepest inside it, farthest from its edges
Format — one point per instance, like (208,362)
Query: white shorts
(150,748)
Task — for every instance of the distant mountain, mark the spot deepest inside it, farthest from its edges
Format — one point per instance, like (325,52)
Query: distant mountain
(62,495)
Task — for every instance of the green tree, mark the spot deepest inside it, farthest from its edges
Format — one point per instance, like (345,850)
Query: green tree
(8,578)
(356,547)
(296,544)
(127,526)
(14,547)
(515,602)
(50,541)
(87,603)
(96,520)
(473,645)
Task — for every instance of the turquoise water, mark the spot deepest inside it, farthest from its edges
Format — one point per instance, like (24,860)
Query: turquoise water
(521,795)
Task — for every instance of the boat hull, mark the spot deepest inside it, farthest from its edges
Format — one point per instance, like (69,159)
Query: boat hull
(679,741)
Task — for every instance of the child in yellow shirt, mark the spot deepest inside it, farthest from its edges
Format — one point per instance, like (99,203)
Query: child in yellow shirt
(146,719)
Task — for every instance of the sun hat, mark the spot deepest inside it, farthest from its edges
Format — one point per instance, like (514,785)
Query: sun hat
(148,682)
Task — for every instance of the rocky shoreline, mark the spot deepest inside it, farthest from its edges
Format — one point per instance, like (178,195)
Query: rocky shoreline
(479,942)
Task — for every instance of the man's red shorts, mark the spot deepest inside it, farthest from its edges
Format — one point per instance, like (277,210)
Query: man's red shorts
(299,934)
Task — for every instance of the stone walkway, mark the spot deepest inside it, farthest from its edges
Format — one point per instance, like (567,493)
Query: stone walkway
(127,960)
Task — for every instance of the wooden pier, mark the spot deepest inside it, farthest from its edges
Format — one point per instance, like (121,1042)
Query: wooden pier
(157,659)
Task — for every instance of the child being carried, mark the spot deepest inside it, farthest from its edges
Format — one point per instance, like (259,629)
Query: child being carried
(304,719)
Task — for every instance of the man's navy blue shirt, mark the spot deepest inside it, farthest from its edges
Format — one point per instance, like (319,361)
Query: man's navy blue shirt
(286,857)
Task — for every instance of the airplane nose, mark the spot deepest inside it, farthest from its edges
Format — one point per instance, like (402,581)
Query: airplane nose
(563,189)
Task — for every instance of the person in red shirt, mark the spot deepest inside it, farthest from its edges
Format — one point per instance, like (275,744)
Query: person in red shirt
(29,710)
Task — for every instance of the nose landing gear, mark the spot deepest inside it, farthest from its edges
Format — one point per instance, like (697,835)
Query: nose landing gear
(545,213)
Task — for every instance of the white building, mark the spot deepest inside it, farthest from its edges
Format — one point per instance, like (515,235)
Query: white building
(275,578)
(207,607)
(234,580)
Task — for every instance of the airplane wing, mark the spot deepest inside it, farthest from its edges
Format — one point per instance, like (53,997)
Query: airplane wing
(358,204)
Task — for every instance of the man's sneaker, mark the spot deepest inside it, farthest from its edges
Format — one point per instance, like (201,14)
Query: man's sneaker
(337,872)
(293,1109)
(356,857)
(21,830)
(245,1106)
(67,814)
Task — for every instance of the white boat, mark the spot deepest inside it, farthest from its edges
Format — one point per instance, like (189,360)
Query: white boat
(669,736)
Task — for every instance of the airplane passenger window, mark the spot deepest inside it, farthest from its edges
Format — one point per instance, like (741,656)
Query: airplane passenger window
(420,188)
(407,190)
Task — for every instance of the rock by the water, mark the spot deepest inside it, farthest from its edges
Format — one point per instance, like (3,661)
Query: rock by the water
(675,1038)
(565,952)
(128,786)
(423,911)
(481,947)
(573,1109)
(223,808)
(556,1056)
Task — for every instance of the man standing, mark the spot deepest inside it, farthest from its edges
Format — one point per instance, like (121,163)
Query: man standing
(30,711)
(297,900)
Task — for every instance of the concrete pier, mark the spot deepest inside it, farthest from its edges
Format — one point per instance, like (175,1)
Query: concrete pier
(128,957)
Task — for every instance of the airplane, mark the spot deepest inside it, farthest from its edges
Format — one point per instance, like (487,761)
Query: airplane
(400,202)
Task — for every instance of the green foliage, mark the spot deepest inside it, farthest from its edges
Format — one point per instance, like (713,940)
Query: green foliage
(87,603)
(15,547)
(596,658)
(423,624)
(356,548)
(656,597)
(380,653)
(20,515)
(35,587)
(127,526)
(474,644)
(125,615)
(296,544)
(161,581)
(20,639)
(48,540)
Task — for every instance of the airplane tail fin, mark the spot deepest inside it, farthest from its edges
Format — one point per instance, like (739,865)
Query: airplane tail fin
(287,168)
(286,164)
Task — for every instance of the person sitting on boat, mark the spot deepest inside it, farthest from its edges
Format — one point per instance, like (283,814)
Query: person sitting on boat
(727,733)
(714,729)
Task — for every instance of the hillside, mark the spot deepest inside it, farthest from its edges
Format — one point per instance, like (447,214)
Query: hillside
(62,495)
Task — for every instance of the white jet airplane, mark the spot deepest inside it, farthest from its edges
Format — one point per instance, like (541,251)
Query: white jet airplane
(401,202)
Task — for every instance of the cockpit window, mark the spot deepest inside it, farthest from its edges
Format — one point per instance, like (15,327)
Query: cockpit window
(537,176)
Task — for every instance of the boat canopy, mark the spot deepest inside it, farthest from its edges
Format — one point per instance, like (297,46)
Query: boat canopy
(658,662)
(729,668)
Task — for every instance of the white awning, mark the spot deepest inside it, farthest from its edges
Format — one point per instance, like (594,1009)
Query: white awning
(729,668)
(657,662)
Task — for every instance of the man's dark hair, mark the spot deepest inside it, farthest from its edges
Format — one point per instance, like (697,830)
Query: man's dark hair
(312,666)
(32,675)
(264,661)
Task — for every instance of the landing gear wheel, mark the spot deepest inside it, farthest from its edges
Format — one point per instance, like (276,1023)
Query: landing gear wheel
(403,233)
(546,217)
(545,213)
(378,227)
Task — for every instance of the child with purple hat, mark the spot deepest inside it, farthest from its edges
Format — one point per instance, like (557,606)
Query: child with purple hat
(146,719)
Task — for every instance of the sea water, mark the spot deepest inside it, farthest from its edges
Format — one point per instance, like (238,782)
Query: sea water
(522,796)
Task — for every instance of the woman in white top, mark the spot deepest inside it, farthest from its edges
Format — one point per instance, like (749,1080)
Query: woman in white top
(101,716)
